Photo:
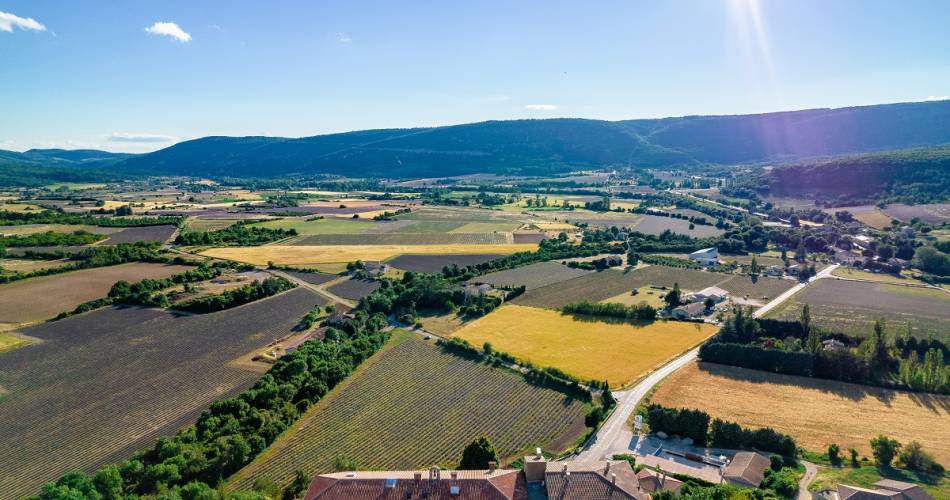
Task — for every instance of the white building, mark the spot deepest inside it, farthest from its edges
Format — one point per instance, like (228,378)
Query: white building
(715,293)
(706,256)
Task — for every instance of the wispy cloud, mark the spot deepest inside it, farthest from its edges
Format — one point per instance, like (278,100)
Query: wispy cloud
(169,29)
(343,37)
(139,137)
(938,98)
(541,107)
(9,21)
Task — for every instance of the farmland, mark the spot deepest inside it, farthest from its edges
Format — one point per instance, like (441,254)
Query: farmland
(411,406)
(603,285)
(653,224)
(146,233)
(315,255)
(353,289)
(532,276)
(435,263)
(309,226)
(107,383)
(935,213)
(588,349)
(401,238)
(866,214)
(26,265)
(26,229)
(314,278)
(816,412)
(37,299)
(852,307)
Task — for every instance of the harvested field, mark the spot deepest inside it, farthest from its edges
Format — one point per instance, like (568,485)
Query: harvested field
(27,229)
(866,214)
(487,227)
(618,352)
(209,224)
(849,272)
(606,284)
(435,226)
(435,263)
(459,214)
(354,289)
(293,255)
(37,299)
(402,238)
(532,276)
(852,306)
(935,213)
(314,278)
(593,219)
(816,412)
(26,265)
(108,383)
(646,294)
(158,234)
(411,406)
(654,224)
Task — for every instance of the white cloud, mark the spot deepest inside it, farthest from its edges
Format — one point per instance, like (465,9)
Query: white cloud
(938,98)
(139,137)
(9,21)
(169,29)
(343,37)
(541,107)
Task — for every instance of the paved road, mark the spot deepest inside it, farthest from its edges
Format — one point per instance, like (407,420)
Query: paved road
(320,289)
(615,436)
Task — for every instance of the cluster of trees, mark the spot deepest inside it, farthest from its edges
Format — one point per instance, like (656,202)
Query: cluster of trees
(596,264)
(885,450)
(933,261)
(240,234)
(638,312)
(50,239)
(751,343)
(551,249)
(143,292)
(392,215)
(662,213)
(698,426)
(236,297)
(59,217)
(232,432)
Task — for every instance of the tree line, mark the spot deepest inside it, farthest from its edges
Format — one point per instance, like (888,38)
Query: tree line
(240,234)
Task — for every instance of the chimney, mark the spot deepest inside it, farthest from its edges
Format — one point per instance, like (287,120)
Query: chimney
(417,476)
(607,468)
(564,471)
(492,466)
(455,475)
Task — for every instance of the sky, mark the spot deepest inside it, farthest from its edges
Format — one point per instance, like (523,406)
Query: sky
(140,76)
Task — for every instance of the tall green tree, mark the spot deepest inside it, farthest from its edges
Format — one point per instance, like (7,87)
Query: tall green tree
(675,297)
(477,454)
(884,450)
(813,339)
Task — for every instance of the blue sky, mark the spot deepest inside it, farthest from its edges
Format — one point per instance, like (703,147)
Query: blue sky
(103,74)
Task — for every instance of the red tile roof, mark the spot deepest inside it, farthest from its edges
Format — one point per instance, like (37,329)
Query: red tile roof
(403,485)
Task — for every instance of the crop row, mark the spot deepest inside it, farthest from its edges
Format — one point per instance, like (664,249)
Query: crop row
(413,406)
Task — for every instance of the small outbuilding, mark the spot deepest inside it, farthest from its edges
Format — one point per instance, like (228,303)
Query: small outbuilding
(747,469)
(707,256)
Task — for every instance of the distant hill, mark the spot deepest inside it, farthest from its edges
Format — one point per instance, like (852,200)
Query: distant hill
(556,145)
(38,167)
(919,175)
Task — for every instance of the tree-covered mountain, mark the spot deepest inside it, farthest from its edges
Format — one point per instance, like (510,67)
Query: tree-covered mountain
(37,167)
(918,175)
(554,145)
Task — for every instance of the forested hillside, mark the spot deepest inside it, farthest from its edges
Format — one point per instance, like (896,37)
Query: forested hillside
(918,175)
(550,146)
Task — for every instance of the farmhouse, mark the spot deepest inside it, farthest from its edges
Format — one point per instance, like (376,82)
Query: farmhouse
(715,293)
(540,479)
(691,310)
(707,256)
(747,469)
(886,489)
(773,271)
(476,289)
(833,345)
(376,268)
(488,484)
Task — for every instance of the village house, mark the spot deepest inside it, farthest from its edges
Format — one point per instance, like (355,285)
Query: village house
(747,469)
(689,311)
(884,489)
(375,268)
(774,271)
(476,289)
(707,256)
(540,479)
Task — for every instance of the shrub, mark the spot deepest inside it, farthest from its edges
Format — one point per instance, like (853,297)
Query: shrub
(915,458)
(884,450)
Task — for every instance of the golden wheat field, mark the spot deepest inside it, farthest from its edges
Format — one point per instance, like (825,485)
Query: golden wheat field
(816,412)
(328,254)
(617,352)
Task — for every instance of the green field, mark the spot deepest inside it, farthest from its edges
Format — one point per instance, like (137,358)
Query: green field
(433,238)
(411,406)
(319,226)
